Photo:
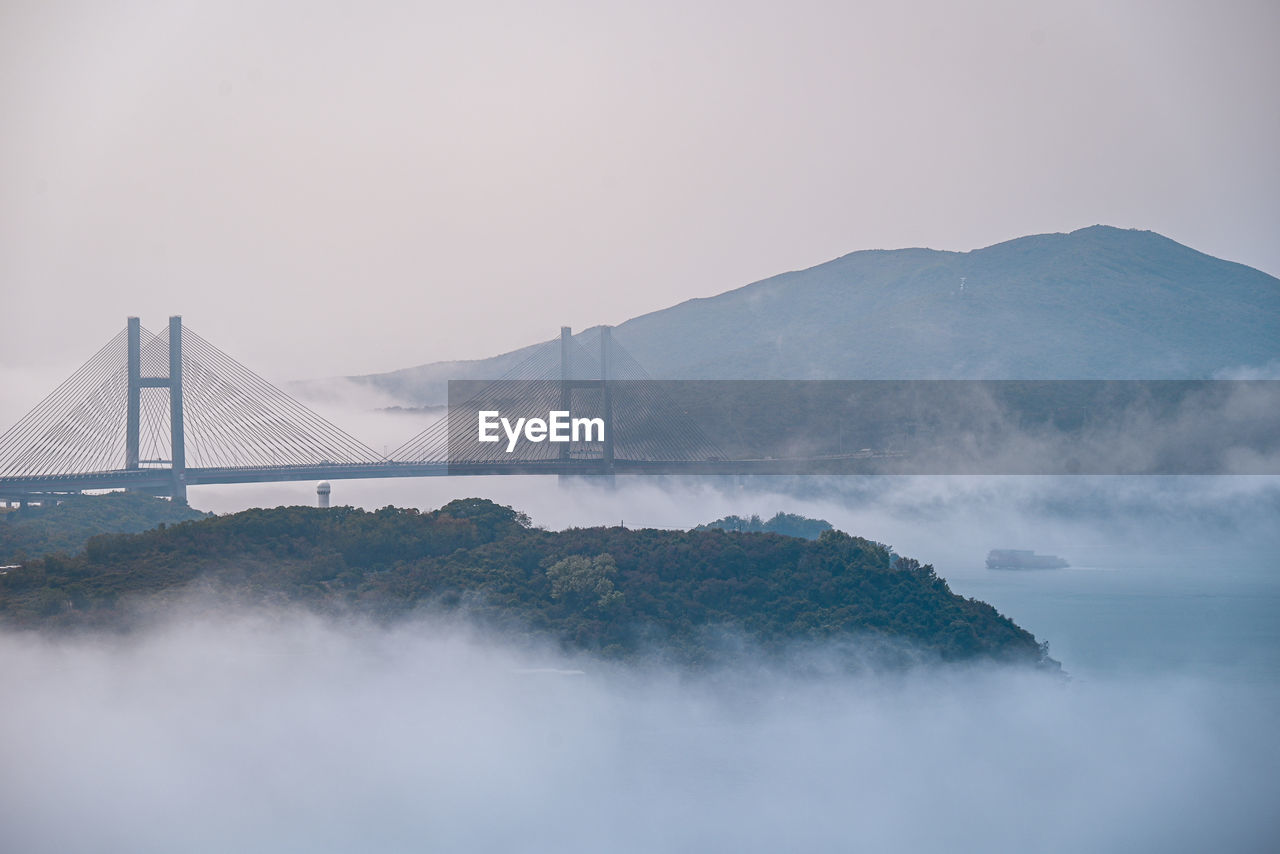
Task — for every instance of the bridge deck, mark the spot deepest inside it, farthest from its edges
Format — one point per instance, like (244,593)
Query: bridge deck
(161,479)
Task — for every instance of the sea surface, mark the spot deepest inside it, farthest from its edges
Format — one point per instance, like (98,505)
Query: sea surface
(1217,621)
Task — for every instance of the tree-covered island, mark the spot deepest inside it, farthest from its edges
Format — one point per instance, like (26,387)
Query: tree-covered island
(614,592)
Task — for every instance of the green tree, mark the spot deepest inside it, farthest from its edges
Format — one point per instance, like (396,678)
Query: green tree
(588,580)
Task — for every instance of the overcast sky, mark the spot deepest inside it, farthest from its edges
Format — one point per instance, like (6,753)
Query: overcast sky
(353,187)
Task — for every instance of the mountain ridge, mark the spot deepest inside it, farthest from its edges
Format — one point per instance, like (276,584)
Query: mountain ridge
(1096,303)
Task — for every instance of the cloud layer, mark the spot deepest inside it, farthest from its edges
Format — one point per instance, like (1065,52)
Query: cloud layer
(274,731)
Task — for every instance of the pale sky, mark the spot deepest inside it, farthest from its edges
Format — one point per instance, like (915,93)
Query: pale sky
(337,188)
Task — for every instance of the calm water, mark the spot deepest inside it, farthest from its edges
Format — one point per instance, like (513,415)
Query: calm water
(1219,622)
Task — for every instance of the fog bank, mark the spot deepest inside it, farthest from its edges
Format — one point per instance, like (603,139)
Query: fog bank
(951,521)
(276,731)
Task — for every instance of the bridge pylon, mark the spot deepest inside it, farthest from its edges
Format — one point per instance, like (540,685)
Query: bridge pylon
(172,382)
(568,382)
(216,422)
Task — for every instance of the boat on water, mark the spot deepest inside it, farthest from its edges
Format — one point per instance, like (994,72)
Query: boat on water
(1023,559)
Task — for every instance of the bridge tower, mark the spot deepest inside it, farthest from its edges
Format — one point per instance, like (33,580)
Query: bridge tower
(568,383)
(566,374)
(133,415)
(606,406)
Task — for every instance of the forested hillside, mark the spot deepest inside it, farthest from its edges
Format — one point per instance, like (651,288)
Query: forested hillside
(611,591)
(787,524)
(37,530)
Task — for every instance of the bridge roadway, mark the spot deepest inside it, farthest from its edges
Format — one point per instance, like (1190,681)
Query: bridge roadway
(160,480)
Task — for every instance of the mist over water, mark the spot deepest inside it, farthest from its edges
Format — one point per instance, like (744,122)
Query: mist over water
(1168,574)
(220,728)
(347,191)
(279,731)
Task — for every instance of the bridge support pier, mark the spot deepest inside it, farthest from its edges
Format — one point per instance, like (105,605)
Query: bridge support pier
(567,382)
(566,390)
(133,417)
(133,413)
(606,340)
(177,435)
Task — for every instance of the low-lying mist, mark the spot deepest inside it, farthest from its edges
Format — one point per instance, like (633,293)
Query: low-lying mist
(274,730)
(952,521)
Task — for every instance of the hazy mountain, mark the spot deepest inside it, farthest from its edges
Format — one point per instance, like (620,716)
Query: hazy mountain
(1098,303)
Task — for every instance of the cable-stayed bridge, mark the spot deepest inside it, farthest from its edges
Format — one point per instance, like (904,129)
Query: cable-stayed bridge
(158,412)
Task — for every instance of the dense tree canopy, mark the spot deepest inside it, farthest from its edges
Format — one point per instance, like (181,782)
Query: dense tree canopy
(67,525)
(613,591)
(788,524)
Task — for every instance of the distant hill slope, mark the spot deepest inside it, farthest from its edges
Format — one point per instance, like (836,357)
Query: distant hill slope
(786,524)
(66,526)
(1098,303)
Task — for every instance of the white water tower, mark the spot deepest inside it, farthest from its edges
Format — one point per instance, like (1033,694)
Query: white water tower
(322,494)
